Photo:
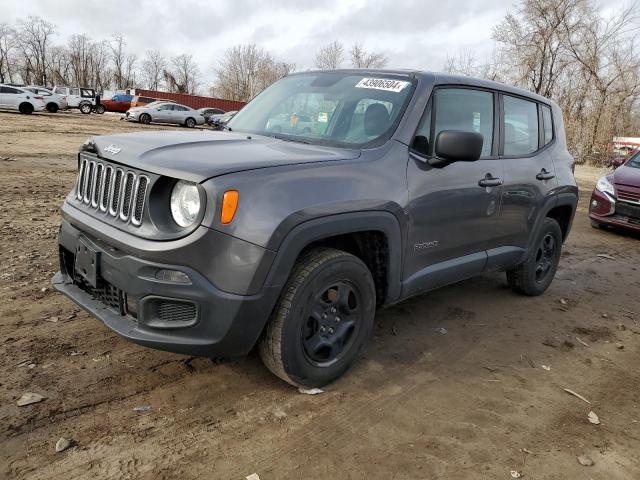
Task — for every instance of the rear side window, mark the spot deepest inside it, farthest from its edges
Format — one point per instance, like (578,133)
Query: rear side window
(520,126)
(548,124)
(9,90)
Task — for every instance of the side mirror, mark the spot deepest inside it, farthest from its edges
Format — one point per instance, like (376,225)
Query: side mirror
(617,162)
(457,146)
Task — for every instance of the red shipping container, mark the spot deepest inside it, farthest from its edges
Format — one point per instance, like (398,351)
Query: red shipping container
(193,101)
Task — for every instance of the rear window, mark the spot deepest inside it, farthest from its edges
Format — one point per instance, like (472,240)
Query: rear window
(520,126)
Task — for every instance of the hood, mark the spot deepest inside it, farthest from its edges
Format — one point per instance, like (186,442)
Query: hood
(197,156)
(628,176)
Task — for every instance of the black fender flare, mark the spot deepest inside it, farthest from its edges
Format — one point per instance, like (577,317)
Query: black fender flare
(551,202)
(319,228)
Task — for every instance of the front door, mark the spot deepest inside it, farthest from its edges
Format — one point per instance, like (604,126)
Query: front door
(454,210)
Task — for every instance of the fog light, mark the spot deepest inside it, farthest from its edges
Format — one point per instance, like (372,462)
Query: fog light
(173,276)
(132,306)
(594,204)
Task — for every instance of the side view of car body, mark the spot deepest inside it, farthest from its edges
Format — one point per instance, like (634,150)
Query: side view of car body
(84,99)
(615,200)
(141,101)
(53,101)
(206,112)
(218,122)
(165,112)
(213,243)
(117,103)
(20,99)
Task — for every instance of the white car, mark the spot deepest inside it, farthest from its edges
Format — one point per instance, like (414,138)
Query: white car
(165,112)
(52,101)
(81,98)
(19,99)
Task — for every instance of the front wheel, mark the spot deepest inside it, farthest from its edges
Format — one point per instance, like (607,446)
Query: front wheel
(145,118)
(85,108)
(533,276)
(322,320)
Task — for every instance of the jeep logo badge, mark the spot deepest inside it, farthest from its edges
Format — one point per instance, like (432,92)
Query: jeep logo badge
(112,149)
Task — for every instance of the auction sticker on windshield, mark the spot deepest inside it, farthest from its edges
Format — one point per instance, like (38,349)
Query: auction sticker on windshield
(382,84)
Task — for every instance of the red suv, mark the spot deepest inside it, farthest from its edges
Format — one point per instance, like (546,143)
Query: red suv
(616,199)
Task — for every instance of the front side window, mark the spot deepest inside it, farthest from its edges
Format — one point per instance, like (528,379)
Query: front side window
(466,110)
(328,108)
(166,106)
(634,161)
(520,126)
(61,91)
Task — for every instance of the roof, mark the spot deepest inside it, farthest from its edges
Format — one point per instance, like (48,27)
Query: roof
(440,78)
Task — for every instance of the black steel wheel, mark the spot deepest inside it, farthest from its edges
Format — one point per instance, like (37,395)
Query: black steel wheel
(26,108)
(52,107)
(322,320)
(534,275)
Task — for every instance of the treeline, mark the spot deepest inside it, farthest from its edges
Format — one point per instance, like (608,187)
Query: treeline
(568,51)
(562,49)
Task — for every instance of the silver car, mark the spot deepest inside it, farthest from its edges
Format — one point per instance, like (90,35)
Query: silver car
(165,112)
(53,101)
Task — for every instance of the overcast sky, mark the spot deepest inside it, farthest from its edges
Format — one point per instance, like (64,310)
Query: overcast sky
(411,33)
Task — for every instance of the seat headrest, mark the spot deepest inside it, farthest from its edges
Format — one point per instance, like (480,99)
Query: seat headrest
(376,119)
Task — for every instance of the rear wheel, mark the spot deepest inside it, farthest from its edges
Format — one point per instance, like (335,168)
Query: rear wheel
(190,122)
(145,118)
(100,109)
(26,108)
(52,107)
(322,320)
(85,108)
(534,275)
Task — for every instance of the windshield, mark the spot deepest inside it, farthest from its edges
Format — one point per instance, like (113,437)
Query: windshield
(332,108)
(634,161)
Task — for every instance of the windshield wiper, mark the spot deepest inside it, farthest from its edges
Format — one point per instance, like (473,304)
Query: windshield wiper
(290,139)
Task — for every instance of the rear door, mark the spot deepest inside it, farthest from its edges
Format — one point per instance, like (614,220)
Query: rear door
(455,210)
(529,170)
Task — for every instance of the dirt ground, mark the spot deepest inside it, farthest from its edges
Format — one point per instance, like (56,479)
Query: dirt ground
(473,402)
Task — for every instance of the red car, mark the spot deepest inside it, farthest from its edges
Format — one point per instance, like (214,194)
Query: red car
(118,103)
(616,199)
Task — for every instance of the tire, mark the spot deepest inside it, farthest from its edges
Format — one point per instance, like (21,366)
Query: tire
(322,321)
(190,122)
(52,107)
(100,109)
(145,118)
(595,225)
(533,276)
(85,108)
(25,108)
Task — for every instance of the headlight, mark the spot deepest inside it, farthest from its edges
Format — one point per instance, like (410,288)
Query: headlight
(185,203)
(604,185)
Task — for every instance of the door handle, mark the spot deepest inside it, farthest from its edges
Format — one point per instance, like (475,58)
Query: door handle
(544,175)
(490,181)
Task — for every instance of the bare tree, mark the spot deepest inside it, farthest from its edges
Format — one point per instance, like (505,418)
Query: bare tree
(330,56)
(152,67)
(118,58)
(7,45)
(33,41)
(466,63)
(360,58)
(246,70)
(184,74)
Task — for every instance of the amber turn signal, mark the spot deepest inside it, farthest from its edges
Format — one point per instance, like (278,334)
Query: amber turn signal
(229,206)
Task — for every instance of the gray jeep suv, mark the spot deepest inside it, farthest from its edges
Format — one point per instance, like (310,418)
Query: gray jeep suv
(210,243)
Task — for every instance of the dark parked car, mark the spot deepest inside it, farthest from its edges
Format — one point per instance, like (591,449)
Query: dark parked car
(210,243)
(615,200)
(219,122)
(206,112)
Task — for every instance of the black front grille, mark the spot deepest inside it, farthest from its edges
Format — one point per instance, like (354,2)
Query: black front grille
(173,311)
(628,210)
